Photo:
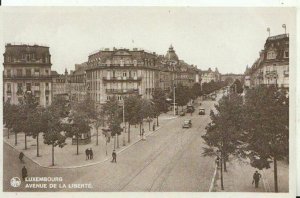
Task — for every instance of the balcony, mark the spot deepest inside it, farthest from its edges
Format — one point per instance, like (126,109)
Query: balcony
(128,79)
(122,91)
(15,77)
(271,74)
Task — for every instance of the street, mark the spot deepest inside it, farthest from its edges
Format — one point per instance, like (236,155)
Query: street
(169,160)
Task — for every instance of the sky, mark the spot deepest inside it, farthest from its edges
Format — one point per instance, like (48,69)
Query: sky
(226,38)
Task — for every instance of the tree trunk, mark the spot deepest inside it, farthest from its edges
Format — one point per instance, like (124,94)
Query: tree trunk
(114,142)
(157,121)
(52,155)
(224,162)
(106,147)
(37,145)
(140,129)
(275,175)
(149,126)
(77,144)
(222,185)
(25,141)
(16,138)
(7,133)
(128,132)
(118,146)
(97,137)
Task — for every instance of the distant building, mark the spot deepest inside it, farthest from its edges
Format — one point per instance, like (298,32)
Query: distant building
(232,77)
(272,66)
(78,88)
(27,68)
(210,75)
(60,84)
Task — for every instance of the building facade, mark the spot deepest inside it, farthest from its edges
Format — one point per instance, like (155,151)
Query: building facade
(210,75)
(27,68)
(272,66)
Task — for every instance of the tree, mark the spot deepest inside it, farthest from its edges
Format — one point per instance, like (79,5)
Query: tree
(145,111)
(8,116)
(100,120)
(182,95)
(266,127)
(131,112)
(27,107)
(196,91)
(82,115)
(53,135)
(224,131)
(237,86)
(113,114)
(160,103)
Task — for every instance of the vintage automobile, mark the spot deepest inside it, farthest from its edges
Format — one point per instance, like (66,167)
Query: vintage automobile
(187,124)
(182,113)
(190,109)
(201,111)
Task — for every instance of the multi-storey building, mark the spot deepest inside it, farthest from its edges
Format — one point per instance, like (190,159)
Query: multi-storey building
(27,68)
(60,84)
(121,72)
(210,75)
(77,86)
(272,66)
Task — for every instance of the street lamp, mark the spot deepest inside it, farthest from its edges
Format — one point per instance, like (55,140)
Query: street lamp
(124,128)
(174,98)
(284,26)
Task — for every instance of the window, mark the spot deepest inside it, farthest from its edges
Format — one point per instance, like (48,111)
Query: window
(36,72)
(37,84)
(271,55)
(8,88)
(20,86)
(121,62)
(286,54)
(8,73)
(47,100)
(28,86)
(28,72)
(47,72)
(107,97)
(19,72)
(134,62)
(124,74)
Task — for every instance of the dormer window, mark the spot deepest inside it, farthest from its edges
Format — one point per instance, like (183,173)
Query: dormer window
(286,54)
(271,55)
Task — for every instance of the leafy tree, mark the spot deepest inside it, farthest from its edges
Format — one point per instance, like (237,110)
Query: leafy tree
(131,112)
(146,110)
(9,112)
(266,127)
(113,113)
(224,131)
(100,120)
(196,91)
(237,86)
(160,103)
(53,134)
(27,107)
(182,95)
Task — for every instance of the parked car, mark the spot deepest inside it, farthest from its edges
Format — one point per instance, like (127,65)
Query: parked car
(201,111)
(187,124)
(182,113)
(190,109)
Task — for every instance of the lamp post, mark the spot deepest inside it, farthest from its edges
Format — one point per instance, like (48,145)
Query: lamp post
(174,99)
(269,30)
(124,128)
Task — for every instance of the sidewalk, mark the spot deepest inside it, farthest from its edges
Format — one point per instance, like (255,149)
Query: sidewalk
(238,178)
(66,157)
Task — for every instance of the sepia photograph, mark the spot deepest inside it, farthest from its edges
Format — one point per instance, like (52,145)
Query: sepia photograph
(147,99)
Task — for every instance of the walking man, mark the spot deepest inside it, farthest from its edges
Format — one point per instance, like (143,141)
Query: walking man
(256,178)
(91,153)
(114,157)
(24,173)
(21,157)
(87,154)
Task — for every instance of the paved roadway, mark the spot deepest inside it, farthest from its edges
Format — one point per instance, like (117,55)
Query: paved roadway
(169,160)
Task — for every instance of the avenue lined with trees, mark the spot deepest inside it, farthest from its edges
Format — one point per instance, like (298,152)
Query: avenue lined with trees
(253,127)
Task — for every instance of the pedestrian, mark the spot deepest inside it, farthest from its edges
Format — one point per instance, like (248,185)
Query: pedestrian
(24,173)
(91,154)
(21,156)
(87,154)
(256,178)
(114,156)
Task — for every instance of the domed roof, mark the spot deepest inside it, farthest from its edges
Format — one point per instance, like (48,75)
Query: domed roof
(171,55)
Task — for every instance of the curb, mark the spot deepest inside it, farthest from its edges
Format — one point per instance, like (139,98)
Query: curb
(85,165)
(213,179)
